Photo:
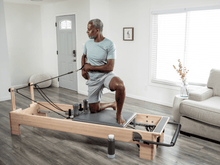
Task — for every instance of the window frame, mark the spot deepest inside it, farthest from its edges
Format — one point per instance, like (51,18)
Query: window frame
(60,23)
(161,83)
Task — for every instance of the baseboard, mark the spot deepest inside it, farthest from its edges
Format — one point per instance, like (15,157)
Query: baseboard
(135,97)
(5,98)
(149,100)
(83,93)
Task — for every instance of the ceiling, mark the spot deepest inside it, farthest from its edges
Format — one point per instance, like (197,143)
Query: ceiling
(33,2)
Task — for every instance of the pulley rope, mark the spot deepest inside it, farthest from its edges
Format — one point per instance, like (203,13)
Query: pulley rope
(40,104)
(47,98)
(53,77)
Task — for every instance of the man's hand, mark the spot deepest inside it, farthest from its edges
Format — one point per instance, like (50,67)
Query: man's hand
(87,67)
(85,74)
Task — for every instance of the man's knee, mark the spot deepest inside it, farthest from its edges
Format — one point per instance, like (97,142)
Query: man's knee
(117,84)
(120,86)
(94,107)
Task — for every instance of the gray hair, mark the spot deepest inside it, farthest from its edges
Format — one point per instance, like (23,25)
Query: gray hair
(97,23)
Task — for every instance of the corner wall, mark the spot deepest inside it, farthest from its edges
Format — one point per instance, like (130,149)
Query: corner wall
(5,78)
(24,37)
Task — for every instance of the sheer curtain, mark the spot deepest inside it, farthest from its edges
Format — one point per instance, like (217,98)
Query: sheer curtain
(191,36)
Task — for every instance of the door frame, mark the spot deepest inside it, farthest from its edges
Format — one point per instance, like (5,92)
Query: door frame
(66,14)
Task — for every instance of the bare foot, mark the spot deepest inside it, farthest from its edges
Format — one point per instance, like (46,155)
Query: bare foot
(120,120)
(115,106)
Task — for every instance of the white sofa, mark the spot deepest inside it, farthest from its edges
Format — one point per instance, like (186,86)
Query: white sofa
(200,113)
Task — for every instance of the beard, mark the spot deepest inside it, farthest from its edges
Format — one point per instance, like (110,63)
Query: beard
(92,37)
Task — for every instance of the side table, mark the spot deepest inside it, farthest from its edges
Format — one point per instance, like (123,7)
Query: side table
(175,109)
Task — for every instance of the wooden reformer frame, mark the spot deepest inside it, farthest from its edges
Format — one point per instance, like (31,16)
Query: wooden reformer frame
(31,117)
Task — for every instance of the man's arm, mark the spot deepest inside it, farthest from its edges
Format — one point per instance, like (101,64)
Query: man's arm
(108,67)
(84,73)
(83,60)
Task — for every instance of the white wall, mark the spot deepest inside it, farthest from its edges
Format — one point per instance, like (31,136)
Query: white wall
(24,36)
(132,64)
(133,57)
(100,9)
(48,14)
(5,79)
(133,60)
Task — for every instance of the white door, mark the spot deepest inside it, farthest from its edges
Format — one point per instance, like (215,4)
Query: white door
(66,45)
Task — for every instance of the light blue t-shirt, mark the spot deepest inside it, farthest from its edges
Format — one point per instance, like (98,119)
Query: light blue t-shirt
(98,53)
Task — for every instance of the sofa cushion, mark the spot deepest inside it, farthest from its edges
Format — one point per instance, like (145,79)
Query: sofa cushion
(214,81)
(207,111)
(201,94)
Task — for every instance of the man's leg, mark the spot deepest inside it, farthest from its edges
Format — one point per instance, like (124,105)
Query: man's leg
(95,93)
(116,84)
(97,107)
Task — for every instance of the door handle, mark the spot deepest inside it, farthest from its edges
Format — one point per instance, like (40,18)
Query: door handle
(74,60)
(74,53)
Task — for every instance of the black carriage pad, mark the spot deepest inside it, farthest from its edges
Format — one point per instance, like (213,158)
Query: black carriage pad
(105,117)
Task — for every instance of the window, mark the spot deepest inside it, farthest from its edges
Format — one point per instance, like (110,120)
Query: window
(193,36)
(66,24)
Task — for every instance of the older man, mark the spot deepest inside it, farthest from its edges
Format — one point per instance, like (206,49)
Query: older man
(100,54)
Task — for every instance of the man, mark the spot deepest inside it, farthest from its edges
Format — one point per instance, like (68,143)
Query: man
(100,53)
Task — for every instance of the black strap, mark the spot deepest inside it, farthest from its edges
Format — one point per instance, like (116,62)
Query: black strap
(40,104)
(46,98)
(52,78)
(60,75)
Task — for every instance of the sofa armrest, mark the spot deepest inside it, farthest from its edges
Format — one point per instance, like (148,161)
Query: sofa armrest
(201,94)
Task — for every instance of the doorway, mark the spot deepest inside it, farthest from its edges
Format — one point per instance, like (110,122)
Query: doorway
(66,50)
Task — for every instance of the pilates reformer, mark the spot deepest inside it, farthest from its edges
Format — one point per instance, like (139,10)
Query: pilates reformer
(79,120)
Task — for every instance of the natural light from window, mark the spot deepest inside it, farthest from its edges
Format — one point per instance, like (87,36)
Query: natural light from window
(193,37)
(66,24)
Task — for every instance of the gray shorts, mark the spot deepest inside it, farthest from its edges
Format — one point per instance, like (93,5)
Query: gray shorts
(95,87)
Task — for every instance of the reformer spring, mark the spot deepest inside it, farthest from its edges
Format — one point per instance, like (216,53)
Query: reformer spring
(148,127)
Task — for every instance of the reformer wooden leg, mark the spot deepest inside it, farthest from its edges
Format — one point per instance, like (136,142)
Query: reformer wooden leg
(147,151)
(15,127)
(13,99)
(32,93)
(162,137)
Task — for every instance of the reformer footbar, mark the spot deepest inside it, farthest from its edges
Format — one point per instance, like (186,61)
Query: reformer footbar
(99,124)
